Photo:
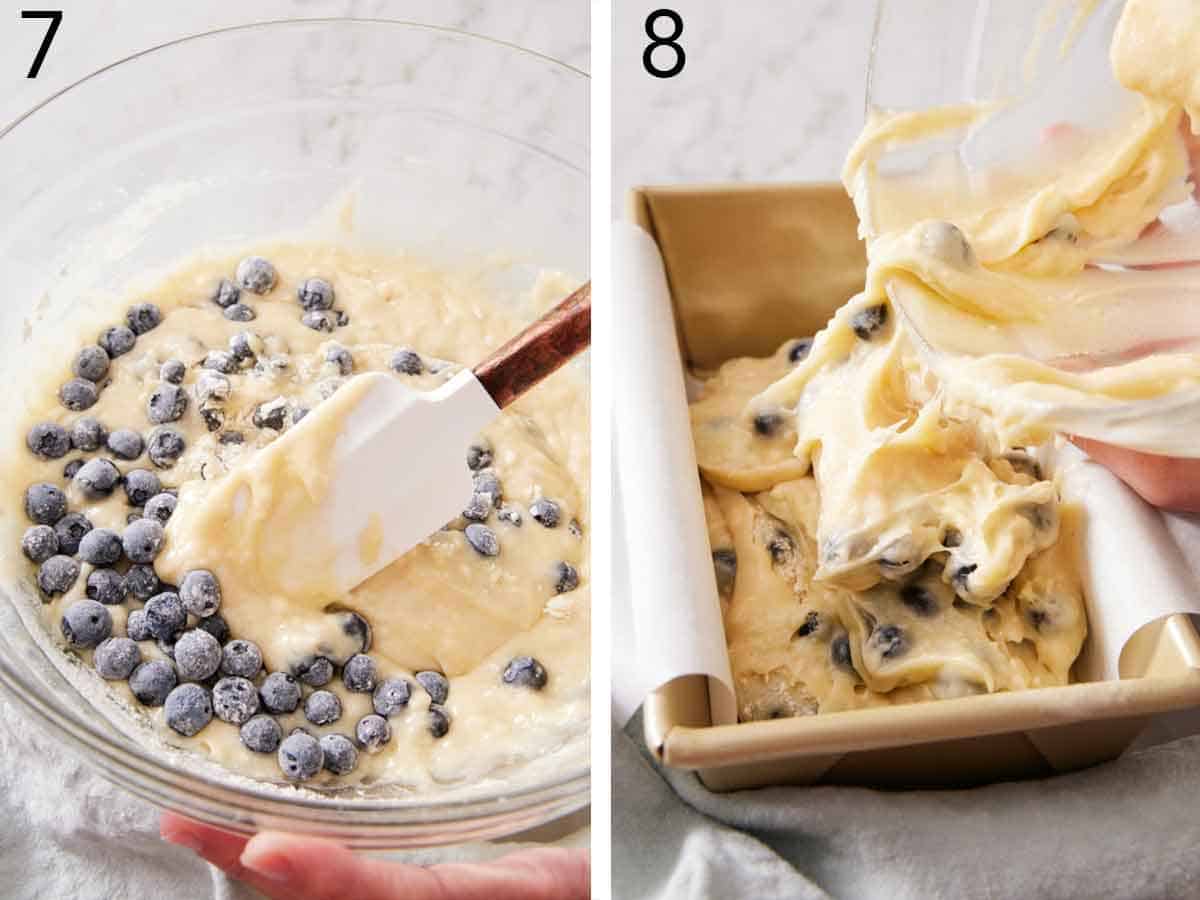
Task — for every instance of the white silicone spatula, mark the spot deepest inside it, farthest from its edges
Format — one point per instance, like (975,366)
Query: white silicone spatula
(394,458)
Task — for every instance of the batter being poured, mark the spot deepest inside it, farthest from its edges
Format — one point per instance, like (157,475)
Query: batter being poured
(882,528)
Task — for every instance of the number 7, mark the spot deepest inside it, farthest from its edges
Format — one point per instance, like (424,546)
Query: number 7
(55,17)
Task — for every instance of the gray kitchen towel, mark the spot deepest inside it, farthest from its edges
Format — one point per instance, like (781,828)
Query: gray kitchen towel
(68,833)
(1128,829)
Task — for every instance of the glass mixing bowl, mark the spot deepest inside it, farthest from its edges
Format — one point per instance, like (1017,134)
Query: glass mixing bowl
(450,146)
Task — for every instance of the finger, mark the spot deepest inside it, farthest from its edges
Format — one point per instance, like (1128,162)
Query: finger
(316,869)
(221,848)
(1162,481)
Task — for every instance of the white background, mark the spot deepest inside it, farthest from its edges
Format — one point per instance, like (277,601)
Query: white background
(95,33)
(771,91)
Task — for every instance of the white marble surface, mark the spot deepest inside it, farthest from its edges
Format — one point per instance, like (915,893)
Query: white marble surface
(64,830)
(771,91)
(95,34)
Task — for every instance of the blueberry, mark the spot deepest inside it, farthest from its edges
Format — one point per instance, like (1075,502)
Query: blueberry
(343,319)
(69,530)
(240,312)
(315,293)
(436,685)
(919,600)
(86,623)
(88,434)
(244,346)
(839,653)
(160,506)
(300,756)
(407,362)
(91,363)
(799,351)
(315,671)
(811,623)
(226,293)
(1024,463)
(525,671)
(137,626)
(141,582)
(167,403)
(100,547)
(48,440)
(766,424)
(152,681)
(197,655)
(889,640)
(231,437)
(372,733)
(172,371)
(213,387)
(781,547)
(213,417)
(261,734)
(946,241)
(341,358)
(39,543)
(486,482)
(106,586)
(961,575)
(188,708)
(271,415)
(478,509)
(482,540)
(358,674)
(545,512)
(117,341)
(143,317)
(71,469)
(222,361)
(439,722)
(509,514)
(165,615)
(125,443)
(256,275)
(869,321)
(566,579)
(298,414)
(78,394)
(143,540)
(356,626)
(280,693)
(241,658)
(479,456)
(725,568)
(216,626)
(322,708)
(319,320)
(391,696)
(97,478)
(116,658)
(234,699)
(200,592)
(57,574)
(341,756)
(141,486)
(165,446)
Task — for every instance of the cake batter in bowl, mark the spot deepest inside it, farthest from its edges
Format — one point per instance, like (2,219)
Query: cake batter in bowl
(437,181)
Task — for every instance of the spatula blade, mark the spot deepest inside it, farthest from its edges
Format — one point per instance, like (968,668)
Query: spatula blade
(399,466)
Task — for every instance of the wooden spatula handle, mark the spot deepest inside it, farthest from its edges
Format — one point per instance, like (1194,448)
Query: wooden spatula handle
(538,350)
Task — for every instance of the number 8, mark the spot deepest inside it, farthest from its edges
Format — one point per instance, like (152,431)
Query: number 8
(666,41)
